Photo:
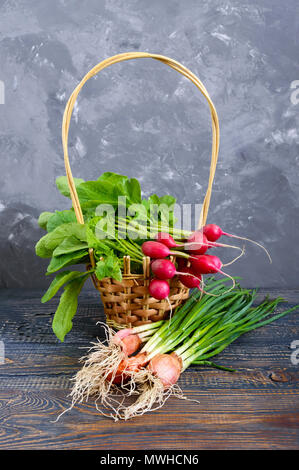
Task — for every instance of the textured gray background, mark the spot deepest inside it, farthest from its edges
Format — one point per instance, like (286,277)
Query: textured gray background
(142,119)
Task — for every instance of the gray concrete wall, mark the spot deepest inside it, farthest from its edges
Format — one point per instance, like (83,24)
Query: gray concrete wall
(144,120)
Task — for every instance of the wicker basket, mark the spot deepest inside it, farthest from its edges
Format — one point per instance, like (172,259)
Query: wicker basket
(128,302)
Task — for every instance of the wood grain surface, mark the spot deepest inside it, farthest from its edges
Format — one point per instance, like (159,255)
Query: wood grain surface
(257,407)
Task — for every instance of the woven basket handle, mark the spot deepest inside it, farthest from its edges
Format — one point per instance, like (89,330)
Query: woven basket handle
(114,60)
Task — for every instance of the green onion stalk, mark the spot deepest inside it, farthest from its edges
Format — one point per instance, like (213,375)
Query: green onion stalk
(204,326)
(198,330)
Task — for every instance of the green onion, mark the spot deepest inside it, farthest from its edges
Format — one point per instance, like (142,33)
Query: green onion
(205,325)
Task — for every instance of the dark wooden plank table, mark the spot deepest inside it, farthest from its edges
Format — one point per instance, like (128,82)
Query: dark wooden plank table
(256,407)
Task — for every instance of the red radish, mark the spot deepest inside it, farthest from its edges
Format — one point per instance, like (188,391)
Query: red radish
(166,239)
(163,269)
(155,249)
(158,250)
(182,263)
(213,232)
(159,289)
(188,279)
(205,264)
(208,264)
(197,243)
(167,367)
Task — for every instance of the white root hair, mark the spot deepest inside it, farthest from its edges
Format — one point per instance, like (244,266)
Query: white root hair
(96,377)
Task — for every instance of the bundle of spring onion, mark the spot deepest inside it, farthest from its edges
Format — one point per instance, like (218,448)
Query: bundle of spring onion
(199,330)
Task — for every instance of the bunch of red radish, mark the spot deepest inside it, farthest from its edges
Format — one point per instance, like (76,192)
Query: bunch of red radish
(192,262)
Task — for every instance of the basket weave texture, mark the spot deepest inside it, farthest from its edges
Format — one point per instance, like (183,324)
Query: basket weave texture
(128,302)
